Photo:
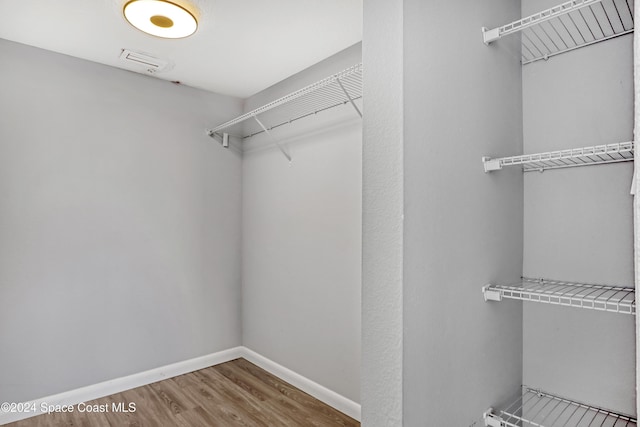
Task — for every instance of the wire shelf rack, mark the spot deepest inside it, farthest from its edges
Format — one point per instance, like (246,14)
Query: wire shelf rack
(568,26)
(540,409)
(615,299)
(585,156)
(339,89)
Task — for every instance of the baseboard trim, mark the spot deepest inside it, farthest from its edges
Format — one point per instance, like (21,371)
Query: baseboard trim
(106,388)
(316,390)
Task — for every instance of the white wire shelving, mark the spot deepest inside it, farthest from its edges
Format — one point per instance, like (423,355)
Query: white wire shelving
(336,90)
(615,299)
(566,27)
(584,156)
(537,408)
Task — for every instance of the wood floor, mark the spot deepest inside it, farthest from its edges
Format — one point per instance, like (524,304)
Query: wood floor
(236,393)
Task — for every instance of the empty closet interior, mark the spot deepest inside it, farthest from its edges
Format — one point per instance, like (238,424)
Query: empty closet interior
(206,224)
(147,223)
(578,315)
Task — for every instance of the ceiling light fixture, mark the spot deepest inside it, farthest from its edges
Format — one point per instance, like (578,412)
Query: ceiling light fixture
(160,18)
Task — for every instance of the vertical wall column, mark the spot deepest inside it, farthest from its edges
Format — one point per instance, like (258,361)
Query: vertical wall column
(636,202)
(382,251)
(462,227)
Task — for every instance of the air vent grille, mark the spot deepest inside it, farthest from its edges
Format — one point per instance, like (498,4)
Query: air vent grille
(142,60)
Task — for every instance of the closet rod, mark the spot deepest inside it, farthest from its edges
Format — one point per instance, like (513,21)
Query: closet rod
(552,54)
(289,121)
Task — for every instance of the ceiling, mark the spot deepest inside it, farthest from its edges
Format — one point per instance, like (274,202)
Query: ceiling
(240,47)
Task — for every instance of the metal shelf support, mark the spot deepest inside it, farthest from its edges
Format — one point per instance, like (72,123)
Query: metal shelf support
(282,150)
(349,98)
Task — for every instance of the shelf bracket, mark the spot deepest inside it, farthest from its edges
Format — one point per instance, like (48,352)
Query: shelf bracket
(221,139)
(490,35)
(491,294)
(491,164)
(491,419)
(349,98)
(284,152)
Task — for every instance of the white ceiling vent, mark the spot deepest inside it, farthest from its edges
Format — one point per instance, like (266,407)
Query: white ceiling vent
(139,60)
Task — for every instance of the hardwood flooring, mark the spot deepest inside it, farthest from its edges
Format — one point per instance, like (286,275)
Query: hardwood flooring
(236,393)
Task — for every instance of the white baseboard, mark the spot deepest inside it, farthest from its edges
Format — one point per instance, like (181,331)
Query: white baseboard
(316,390)
(106,388)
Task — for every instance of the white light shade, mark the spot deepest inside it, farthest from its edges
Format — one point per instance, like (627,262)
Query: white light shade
(160,18)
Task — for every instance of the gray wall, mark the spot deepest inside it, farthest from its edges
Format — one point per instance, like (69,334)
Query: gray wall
(578,222)
(636,202)
(382,216)
(119,224)
(463,228)
(302,240)
(436,101)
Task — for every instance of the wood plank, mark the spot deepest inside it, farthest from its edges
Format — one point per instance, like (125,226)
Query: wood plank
(311,405)
(236,393)
(235,399)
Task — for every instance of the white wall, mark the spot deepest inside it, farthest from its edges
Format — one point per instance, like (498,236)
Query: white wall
(119,224)
(578,222)
(302,240)
(463,228)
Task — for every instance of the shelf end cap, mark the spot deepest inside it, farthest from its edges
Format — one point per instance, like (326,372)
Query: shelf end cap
(490,419)
(491,164)
(491,294)
(490,35)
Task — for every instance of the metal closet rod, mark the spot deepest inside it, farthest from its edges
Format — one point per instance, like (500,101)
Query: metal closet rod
(286,122)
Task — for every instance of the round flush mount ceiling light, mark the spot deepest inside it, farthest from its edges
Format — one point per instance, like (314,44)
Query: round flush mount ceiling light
(160,18)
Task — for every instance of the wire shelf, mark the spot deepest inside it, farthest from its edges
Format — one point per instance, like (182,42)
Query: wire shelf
(540,409)
(568,26)
(615,299)
(585,156)
(339,89)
